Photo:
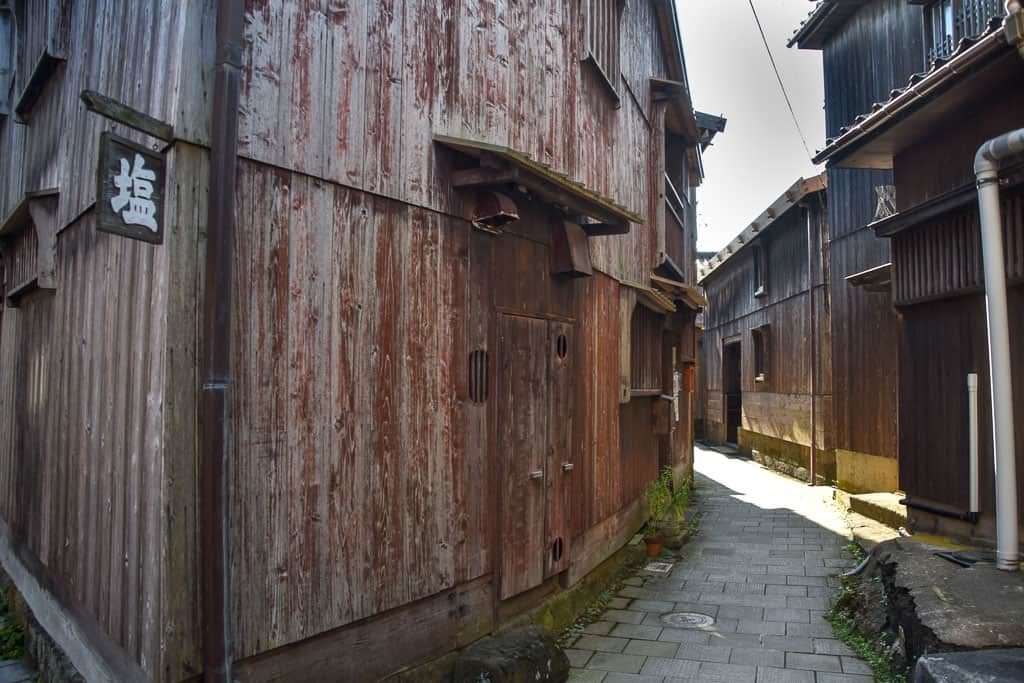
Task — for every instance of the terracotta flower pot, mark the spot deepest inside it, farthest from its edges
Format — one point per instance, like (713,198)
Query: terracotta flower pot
(653,547)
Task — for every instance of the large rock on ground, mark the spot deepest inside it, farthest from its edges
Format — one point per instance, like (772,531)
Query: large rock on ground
(523,655)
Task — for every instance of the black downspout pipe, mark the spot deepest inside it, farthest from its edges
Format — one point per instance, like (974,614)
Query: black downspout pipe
(971,517)
(215,363)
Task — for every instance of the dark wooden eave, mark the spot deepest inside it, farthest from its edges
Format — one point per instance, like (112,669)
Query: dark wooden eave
(945,94)
(877,279)
(825,19)
(45,67)
(965,195)
(500,166)
(18,219)
(680,117)
(650,297)
(680,291)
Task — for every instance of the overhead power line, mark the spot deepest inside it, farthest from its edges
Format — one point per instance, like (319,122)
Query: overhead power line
(782,86)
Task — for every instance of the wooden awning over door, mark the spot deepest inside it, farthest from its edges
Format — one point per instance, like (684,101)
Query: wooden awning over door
(501,166)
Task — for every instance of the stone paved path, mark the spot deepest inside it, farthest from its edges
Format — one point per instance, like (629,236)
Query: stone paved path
(763,565)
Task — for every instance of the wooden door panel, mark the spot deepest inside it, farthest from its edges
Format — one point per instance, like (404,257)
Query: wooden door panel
(522,438)
(560,468)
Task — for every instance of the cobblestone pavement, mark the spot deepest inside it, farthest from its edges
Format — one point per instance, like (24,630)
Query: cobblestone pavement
(763,565)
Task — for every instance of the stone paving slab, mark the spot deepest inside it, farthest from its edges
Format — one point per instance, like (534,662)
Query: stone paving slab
(16,671)
(763,566)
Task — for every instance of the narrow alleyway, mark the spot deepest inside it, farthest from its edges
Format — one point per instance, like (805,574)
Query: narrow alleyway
(762,566)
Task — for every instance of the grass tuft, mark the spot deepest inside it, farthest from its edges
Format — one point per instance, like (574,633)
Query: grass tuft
(12,640)
(874,651)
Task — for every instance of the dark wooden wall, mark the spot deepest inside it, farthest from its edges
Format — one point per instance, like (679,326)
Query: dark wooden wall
(938,285)
(942,342)
(944,161)
(876,50)
(864,325)
(363,474)
(81,479)
(780,406)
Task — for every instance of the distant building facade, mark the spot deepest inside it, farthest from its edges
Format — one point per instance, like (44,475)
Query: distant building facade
(766,337)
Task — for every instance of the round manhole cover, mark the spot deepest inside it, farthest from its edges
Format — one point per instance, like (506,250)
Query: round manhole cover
(687,620)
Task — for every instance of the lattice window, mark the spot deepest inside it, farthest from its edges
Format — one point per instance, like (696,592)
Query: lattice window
(949,21)
(602,33)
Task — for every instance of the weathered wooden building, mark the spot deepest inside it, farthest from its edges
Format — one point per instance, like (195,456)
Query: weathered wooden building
(868,48)
(766,339)
(926,132)
(366,346)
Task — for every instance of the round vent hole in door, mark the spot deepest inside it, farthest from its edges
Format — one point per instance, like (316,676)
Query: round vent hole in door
(557,549)
(562,346)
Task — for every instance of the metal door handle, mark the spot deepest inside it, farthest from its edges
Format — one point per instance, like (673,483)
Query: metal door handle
(567,467)
(536,474)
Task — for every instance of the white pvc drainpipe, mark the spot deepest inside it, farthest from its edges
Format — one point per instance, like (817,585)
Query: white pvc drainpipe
(986,169)
(972,412)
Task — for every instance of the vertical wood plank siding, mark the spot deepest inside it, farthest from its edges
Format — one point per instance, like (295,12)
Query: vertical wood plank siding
(21,258)
(352,312)
(877,50)
(82,407)
(645,349)
(473,76)
(82,390)
(364,477)
(942,342)
(943,257)
(780,406)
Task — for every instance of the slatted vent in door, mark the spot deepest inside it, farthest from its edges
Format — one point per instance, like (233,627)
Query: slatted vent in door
(478,376)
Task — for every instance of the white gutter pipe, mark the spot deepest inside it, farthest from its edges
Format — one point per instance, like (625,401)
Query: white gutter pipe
(972,412)
(986,169)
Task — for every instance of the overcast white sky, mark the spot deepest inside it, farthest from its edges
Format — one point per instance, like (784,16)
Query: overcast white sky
(760,154)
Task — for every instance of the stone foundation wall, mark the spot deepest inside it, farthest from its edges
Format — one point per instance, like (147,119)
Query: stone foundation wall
(788,457)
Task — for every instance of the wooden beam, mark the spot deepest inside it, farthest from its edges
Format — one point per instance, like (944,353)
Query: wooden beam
(366,651)
(484,176)
(125,115)
(602,229)
(570,251)
(45,67)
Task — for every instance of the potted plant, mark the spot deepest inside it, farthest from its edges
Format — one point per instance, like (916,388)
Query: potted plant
(666,508)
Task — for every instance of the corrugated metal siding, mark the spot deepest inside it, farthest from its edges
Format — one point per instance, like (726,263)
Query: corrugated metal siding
(80,443)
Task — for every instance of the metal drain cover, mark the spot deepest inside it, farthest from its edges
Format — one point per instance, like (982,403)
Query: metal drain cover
(688,620)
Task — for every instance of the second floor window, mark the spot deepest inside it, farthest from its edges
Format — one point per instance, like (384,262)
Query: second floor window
(602,34)
(760,271)
(949,21)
